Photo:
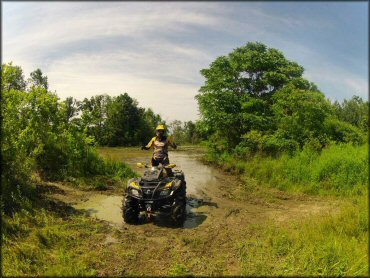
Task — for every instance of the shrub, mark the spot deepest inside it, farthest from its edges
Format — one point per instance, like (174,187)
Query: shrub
(343,132)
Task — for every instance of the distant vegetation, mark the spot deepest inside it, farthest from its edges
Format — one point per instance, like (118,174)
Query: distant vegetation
(265,120)
(255,106)
(254,100)
(337,170)
(39,137)
(274,128)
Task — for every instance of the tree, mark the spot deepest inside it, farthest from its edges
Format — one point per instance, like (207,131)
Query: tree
(37,79)
(300,114)
(354,111)
(190,132)
(12,78)
(150,122)
(175,127)
(123,122)
(236,96)
(94,116)
(69,109)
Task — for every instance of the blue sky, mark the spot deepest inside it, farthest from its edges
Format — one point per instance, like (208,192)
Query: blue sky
(155,50)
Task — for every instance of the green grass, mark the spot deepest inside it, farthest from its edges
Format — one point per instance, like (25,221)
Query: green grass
(327,245)
(330,245)
(337,170)
(41,242)
(179,270)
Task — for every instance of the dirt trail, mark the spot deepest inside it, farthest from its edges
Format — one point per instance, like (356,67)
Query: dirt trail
(217,220)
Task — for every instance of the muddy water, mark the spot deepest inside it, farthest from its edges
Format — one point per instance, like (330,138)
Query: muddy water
(197,175)
(104,207)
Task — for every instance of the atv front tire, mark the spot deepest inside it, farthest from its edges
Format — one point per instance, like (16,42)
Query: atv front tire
(178,211)
(130,210)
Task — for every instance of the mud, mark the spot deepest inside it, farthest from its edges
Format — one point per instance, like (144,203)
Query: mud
(218,218)
(198,177)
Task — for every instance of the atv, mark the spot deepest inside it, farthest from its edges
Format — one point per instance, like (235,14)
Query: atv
(159,190)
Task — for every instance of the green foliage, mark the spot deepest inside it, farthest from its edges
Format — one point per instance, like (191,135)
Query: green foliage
(118,121)
(300,114)
(186,132)
(123,120)
(12,78)
(340,131)
(37,79)
(254,100)
(337,169)
(330,245)
(354,111)
(38,135)
(69,109)
(236,96)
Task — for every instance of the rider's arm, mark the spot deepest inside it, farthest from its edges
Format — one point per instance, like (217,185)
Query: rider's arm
(149,145)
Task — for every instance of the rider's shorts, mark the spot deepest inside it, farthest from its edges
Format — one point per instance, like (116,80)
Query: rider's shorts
(164,161)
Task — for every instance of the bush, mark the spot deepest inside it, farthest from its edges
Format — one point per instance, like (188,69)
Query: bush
(343,132)
(36,138)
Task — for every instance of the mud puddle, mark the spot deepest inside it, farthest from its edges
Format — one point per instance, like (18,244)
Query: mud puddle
(108,208)
(103,207)
(207,196)
(197,175)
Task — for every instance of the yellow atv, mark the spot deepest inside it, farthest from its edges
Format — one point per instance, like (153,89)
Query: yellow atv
(159,190)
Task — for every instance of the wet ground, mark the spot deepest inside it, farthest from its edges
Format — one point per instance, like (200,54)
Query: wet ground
(199,177)
(220,212)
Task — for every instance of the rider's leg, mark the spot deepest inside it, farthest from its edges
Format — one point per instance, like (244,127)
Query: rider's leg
(155,162)
(166,161)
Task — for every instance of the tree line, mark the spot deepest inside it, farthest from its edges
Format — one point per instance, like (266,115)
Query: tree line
(254,100)
(56,139)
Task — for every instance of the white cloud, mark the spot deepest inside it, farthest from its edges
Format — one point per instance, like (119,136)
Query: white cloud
(346,83)
(166,98)
(151,50)
(151,71)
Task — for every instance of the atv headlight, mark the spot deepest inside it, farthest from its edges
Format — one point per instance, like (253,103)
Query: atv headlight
(135,192)
(164,192)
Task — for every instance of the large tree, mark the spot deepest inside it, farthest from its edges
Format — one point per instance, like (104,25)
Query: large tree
(236,96)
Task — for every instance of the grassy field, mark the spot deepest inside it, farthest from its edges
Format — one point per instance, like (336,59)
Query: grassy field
(331,245)
(51,238)
(337,170)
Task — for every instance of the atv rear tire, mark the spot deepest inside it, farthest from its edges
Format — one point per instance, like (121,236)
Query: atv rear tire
(130,210)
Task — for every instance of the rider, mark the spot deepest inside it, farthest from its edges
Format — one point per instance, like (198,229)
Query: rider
(160,143)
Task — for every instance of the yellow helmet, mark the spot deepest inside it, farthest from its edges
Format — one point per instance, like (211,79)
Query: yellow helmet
(161,127)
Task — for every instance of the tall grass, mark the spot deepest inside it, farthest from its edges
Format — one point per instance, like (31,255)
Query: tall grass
(331,245)
(337,170)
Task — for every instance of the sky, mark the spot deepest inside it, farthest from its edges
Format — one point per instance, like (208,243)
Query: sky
(154,51)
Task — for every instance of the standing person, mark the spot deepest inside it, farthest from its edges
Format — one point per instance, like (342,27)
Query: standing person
(160,144)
